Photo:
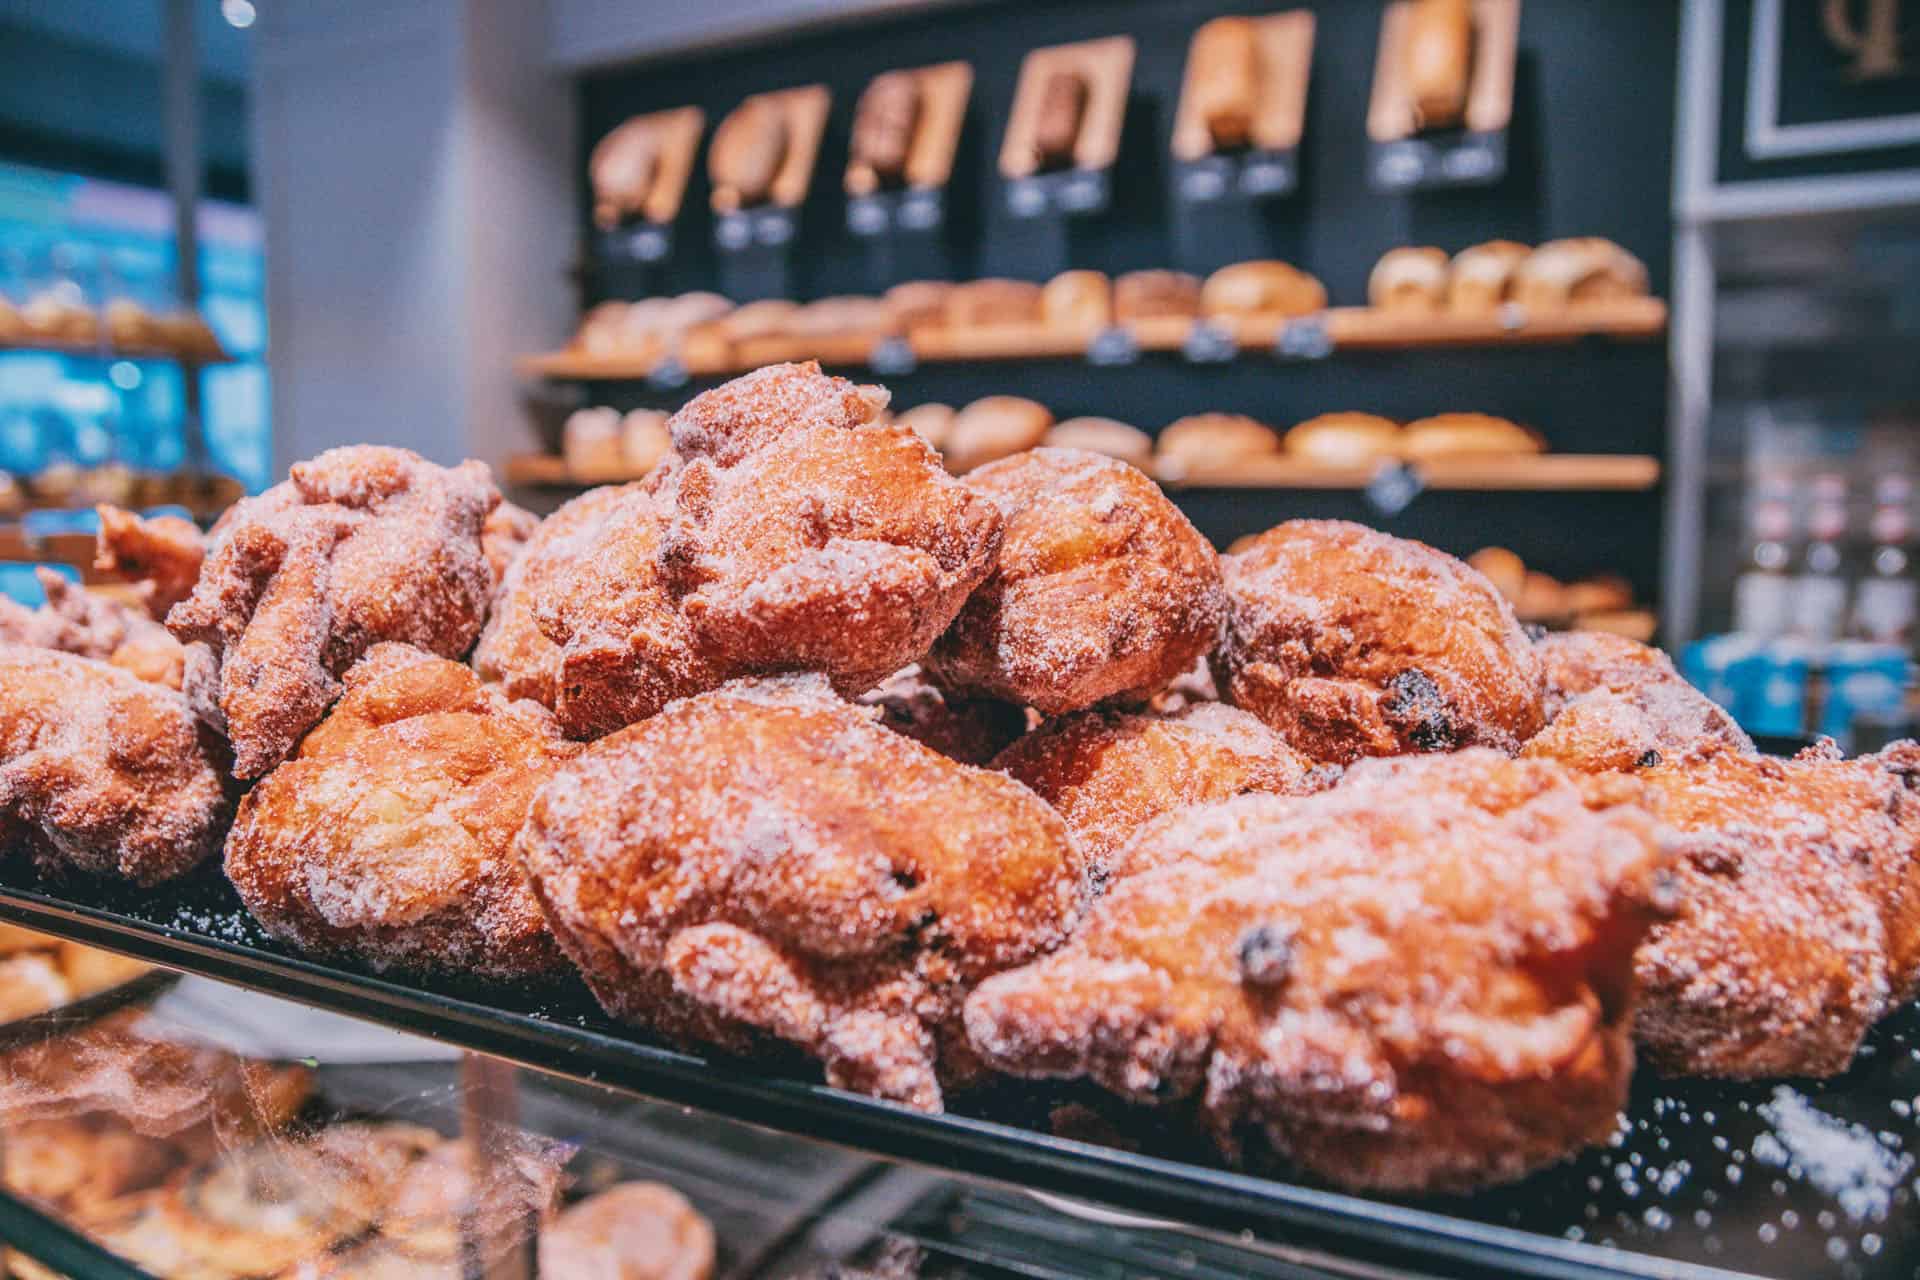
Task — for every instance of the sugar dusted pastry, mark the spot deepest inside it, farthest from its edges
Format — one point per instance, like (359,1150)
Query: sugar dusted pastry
(970,730)
(1612,703)
(388,837)
(1103,590)
(360,545)
(165,551)
(764,865)
(1353,643)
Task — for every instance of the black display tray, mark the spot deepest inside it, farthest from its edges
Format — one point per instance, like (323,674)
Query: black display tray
(1705,1179)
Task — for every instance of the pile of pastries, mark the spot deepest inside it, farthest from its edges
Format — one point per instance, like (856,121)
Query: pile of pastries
(1554,276)
(187,1161)
(38,973)
(804,749)
(59,316)
(1600,602)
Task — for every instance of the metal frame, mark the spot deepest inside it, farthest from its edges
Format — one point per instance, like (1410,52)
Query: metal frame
(1768,139)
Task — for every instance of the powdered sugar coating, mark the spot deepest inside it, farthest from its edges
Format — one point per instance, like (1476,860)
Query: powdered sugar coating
(389,836)
(505,535)
(1418,980)
(1614,703)
(1352,643)
(163,552)
(512,650)
(104,773)
(1799,918)
(362,544)
(1109,774)
(78,621)
(1103,589)
(763,863)
(734,419)
(840,548)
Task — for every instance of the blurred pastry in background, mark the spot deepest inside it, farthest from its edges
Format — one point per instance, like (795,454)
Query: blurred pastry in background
(1602,593)
(1077,300)
(13,938)
(1503,568)
(602,330)
(1567,273)
(129,325)
(31,983)
(981,304)
(1153,295)
(1056,128)
(767,318)
(1202,442)
(1409,279)
(644,441)
(622,169)
(631,1231)
(917,304)
(1104,435)
(883,125)
(838,316)
(1600,602)
(590,443)
(12,327)
(89,969)
(1542,599)
(1261,288)
(1465,435)
(746,153)
(992,428)
(1223,75)
(691,310)
(1438,60)
(932,422)
(1481,278)
(1345,439)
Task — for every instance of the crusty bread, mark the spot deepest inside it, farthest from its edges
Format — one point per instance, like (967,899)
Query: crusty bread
(1104,435)
(1261,288)
(1344,439)
(984,303)
(1409,279)
(1438,60)
(1079,300)
(1213,441)
(1462,435)
(992,428)
(1481,278)
(1143,295)
(1564,273)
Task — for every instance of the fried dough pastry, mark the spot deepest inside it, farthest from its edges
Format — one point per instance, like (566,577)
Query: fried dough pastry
(78,621)
(1417,981)
(165,551)
(1799,918)
(1352,643)
(970,730)
(763,864)
(630,1231)
(1614,703)
(1110,774)
(360,545)
(1103,589)
(512,650)
(102,772)
(793,538)
(77,1164)
(389,836)
(504,535)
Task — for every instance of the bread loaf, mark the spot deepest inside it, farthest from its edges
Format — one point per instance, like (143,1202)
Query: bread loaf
(1205,442)
(1409,279)
(1439,61)
(883,125)
(746,154)
(1503,568)
(1467,435)
(622,170)
(1104,435)
(993,428)
(767,318)
(932,422)
(1480,279)
(590,442)
(1056,123)
(1563,273)
(1143,295)
(984,303)
(917,304)
(1343,440)
(1602,593)
(1077,300)
(1223,75)
(1261,288)
(832,317)
(644,441)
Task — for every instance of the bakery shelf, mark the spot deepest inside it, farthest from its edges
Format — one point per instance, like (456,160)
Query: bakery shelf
(112,351)
(1344,328)
(1668,1161)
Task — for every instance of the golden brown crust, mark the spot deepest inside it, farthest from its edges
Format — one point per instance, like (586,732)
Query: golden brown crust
(764,864)
(992,428)
(1206,440)
(504,535)
(1103,589)
(985,303)
(1345,439)
(1417,981)
(1145,295)
(1799,919)
(1613,703)
(1352,643)
(104,773)
(90,625)
(831,546)
(389,836)
(360,545)
(1110,775)
(1409,279)
(1261,288)
(163,550)
(1467,435)
(630,1231)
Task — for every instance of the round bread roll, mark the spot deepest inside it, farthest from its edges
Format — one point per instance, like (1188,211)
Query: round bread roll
(1147,295)
(1602,593)
(1104,435)
(767,318)
(1080,300)
(932,422)
(1409,279)
(600,329)
(917,304)
(1564,273)
(993,428)
(690,310)
(590,442)
(831,317)
(643,325)
(1503,568)
(1213,441)
(1481,278)
(1467,435)
(983,303)
(1542,599)
(1261,288)
(644,441)
(1345,439)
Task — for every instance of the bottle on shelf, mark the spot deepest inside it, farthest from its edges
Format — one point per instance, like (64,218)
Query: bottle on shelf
(1885,599)
(1762,594)
(1819,593)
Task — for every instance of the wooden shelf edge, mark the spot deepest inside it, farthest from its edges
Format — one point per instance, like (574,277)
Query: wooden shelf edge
(69,347)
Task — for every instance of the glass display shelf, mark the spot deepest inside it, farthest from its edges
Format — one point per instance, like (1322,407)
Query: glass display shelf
(1704,1179)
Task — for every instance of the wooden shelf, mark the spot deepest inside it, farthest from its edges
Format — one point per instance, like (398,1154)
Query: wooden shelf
(1344,329)
(75,347)
(1550,472)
